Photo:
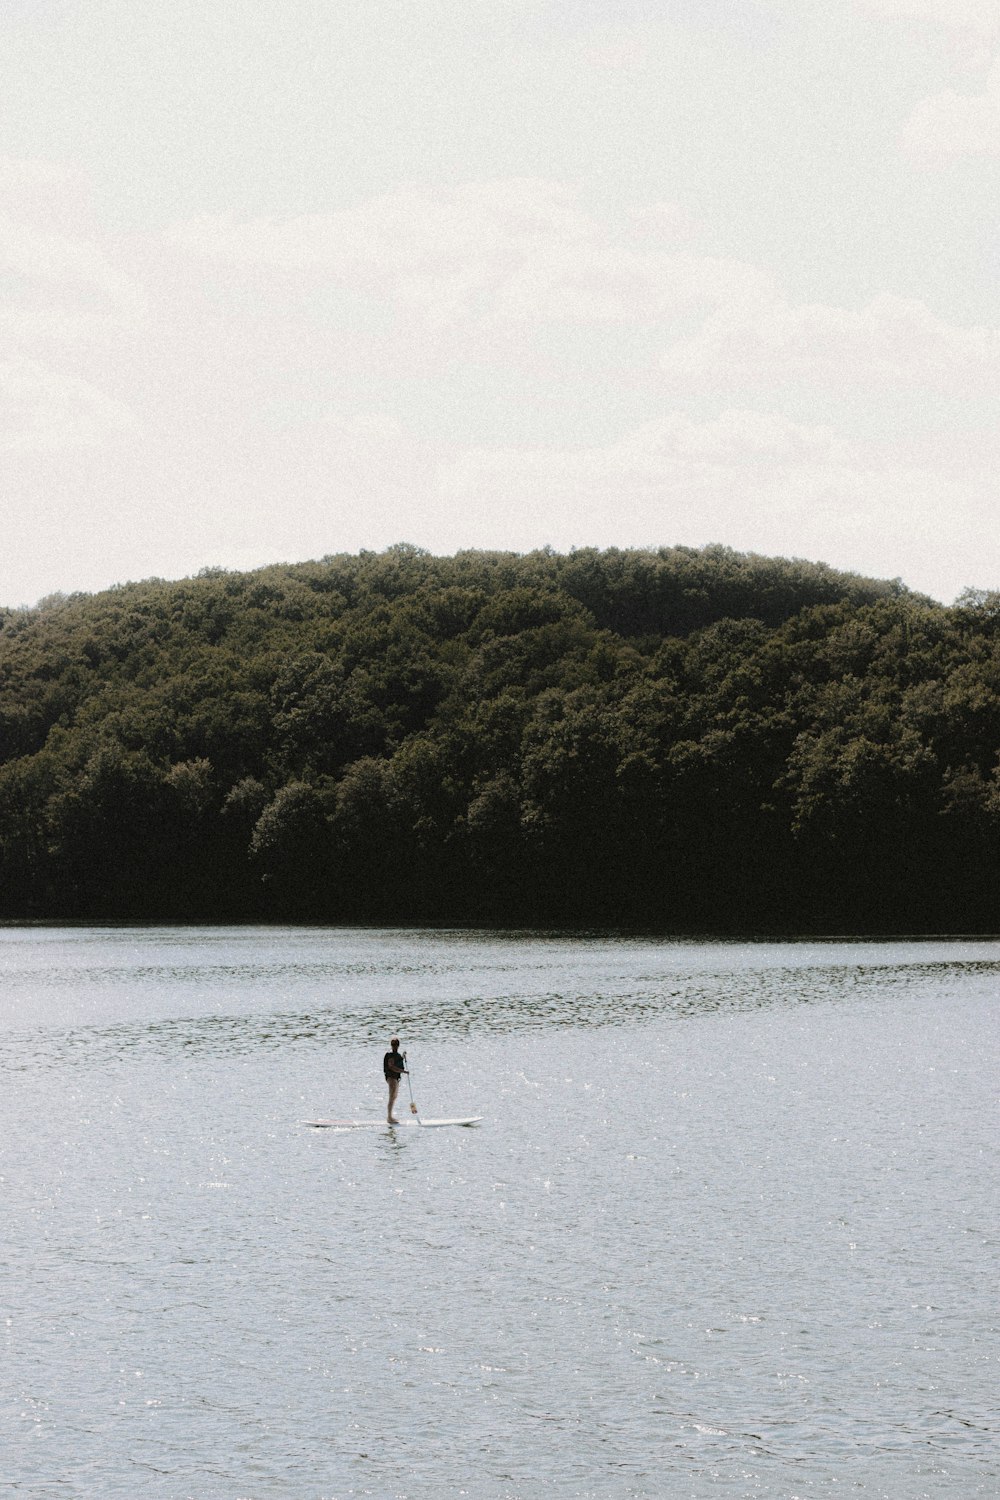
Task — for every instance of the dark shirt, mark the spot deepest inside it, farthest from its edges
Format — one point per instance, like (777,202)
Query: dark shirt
(392,1065)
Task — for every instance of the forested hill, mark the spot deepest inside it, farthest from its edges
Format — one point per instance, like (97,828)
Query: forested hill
(687,740)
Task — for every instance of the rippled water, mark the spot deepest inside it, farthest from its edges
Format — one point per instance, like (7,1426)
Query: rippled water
(728,1227)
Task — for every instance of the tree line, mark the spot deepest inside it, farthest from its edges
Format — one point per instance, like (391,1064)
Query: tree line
(683,739)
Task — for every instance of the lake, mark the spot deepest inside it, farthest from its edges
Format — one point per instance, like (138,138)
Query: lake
(728,1226)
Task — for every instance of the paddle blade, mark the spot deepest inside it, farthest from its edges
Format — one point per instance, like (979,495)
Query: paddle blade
(413,1108)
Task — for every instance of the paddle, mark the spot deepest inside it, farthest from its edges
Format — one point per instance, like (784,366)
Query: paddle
(413,1107)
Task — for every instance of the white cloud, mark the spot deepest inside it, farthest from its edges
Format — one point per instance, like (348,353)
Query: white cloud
(487,318)
(62,261)
(676,455)
(891,339)
(509,251)
(24,177)
(65,310)
(737,437)
(753,480)
(979,16)
(952,124)
(45,410)
(395,230)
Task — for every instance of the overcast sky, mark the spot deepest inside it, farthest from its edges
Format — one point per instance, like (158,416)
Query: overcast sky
(286,279)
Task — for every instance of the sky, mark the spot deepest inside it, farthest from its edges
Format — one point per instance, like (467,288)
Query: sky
(281,281)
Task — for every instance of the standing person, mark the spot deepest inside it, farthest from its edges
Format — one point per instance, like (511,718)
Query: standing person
(393,1066)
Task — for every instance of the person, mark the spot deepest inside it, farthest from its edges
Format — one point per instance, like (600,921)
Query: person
(393,1066)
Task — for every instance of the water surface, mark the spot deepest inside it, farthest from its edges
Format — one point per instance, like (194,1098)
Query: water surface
(728,1227)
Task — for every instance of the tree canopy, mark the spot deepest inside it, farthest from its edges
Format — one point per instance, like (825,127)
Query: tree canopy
(688,739)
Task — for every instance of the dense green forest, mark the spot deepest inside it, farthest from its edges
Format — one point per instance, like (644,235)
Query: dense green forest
(690,740)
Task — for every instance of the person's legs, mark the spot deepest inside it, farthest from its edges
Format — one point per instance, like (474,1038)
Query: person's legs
(393,1091)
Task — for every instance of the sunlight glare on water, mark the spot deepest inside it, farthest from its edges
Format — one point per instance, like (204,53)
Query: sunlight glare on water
(728,1227)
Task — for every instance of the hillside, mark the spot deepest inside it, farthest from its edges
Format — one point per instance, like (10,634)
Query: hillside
(676,738)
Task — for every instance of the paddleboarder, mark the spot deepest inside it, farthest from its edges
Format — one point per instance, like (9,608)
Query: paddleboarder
(393,1066)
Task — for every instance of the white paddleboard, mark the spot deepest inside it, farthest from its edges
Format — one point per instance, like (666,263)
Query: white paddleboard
(384,1124)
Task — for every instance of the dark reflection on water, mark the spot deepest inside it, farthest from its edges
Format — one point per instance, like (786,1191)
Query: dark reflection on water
(255,974)
(451,1017)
